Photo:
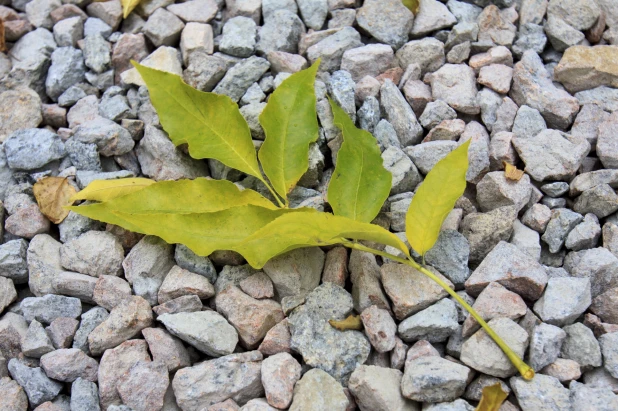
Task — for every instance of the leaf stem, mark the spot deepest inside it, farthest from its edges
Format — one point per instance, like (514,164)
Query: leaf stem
(274,194)
(524,369)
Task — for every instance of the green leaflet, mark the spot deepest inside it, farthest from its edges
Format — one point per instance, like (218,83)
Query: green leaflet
(435,198)
(412,5)
(201,195)
(209,123)
(105,190)
(360,184)
(290,123)
(298,230)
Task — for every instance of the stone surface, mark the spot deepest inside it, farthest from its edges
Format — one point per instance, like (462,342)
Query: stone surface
(208,331)
(545,343)
(317,390)
(581,346)
(434,379)
(296,272)
(377,388)
(49,307)
(280,373)
(456,85)
(19,109)
(126,320)
(564,300)
(38,387)
(69,364)
(542,393)
(387,21)
(336,352)
(434,324)
(144,385)
(236,377)
(179,282)
(597,264)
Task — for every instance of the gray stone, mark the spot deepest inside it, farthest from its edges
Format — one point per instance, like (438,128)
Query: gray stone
(478,151)
(369,118)
(543,393)
(89,321)
(581,15)
(235,376)
(36,342)
(428,53)
(527,240)
(33,148)
(35,383)
(164,59)
(532,11)
(336,352)
(605,97)
(561,35)
(528,122)
(545,343)
(369,60)
(485,230)
(435,112)
(585,235)
(166,349)
(598,264)
(317,389)
(75,285)
(483,354)
(341,89)
(110,138)
(400,115)
(495,190)
(146,266)
(434,379)
(378,388)
(389,22)
(200,11)
(561,223)
(426,155)
(125,321)
(8,293)
(240,77)
(586,398)
(405,175)
(296,272)
(281,32)
(13,263)
(559,162)
(86,177)
(434,324)
(49,307)
(188,260)
(94,25)
(532,86)
(609,348)
(269,7)
(331,48)
(84,395)
(94,253)
(449,255)
(589,180)
(432,16)
(38,12)
(238,38)
(587,123)
(97,53)
(67,69)
(68,31)
(529,37)
(83,156)
(207,331)
(313,12)
(456,85)
(163,28)
(581,346)
(512,268)
(493,28)
(197,37)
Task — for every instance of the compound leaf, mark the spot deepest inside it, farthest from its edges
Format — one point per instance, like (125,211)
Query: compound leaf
(360,184)
(291,125)
(298,230)
(105,190)
(209,123)
(435,198)
(492,398)
(52,195)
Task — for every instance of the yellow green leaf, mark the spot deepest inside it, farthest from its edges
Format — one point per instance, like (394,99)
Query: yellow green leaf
(128,6)
(435,198)
(105,190)
(412,5)
(291,125)
(492,398)
(52,195)
(353,322)
(298,230)
(209,123)
(360,184)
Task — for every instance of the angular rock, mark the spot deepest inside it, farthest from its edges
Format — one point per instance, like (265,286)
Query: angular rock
(126,320)
(598,264)
(166,348)
(240,77)
(434,324)
(61,331)
(69,364)
(49,307)
(280,373)
(19,109)
(32,148)
(67,69)
(94,253)
(387,21)
(208,331)
(296,272)
(36,342)
(432,16)
(109,291)
(84,395)
(144,385)
(236,376)
(581,346)
(434,379)
(486,230)
(377,388)
(331,48)
(542,393)
(545,343)
(456,85)
(38,387)
(89,321)
(179,282)
(495,190)
(380,328)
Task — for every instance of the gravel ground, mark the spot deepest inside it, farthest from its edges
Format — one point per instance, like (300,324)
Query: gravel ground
(93,317)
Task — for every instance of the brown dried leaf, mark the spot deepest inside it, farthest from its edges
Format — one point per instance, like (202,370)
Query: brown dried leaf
(511,172)
(53,194)
(492,398)
(2,40)
(353,322)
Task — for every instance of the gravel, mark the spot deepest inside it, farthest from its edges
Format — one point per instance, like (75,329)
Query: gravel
(97,318)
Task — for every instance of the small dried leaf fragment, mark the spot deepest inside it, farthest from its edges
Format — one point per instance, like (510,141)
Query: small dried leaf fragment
(511,172)
(353,322)
(53,194)
(2,40)
(492,398)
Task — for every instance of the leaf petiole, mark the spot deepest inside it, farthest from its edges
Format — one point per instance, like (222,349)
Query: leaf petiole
(281,205)
(524,369)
